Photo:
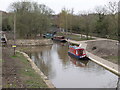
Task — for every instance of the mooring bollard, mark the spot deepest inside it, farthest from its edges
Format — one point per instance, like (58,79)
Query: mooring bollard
(14,47)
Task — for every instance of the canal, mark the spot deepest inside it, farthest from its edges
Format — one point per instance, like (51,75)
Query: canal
(66,72)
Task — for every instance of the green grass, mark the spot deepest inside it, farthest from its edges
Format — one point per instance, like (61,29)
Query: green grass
(74,37)
(21,57)
(34,84)
(28,72)
(14,56)
(31,78)
(34,80)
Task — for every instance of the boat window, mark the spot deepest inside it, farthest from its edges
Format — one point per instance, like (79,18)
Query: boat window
(80,52)
(76,51)
(3,39)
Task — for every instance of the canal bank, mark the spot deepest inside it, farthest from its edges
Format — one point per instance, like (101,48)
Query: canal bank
(105,63)
(18,73)
(37,70)
(30,42)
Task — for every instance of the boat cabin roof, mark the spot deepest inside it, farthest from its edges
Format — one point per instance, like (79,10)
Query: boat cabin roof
(76,47)
(59,36)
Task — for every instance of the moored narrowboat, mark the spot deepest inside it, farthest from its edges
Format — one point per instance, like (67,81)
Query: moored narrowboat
(77,52)
(59,38)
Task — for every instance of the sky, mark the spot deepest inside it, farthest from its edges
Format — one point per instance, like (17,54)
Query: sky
(57,5)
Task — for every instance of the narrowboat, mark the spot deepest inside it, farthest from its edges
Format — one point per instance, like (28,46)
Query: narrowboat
(59,38)
(77,52)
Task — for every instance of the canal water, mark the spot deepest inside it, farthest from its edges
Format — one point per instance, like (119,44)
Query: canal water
(66,72)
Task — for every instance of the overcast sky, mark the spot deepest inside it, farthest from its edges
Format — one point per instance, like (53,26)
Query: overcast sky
(57,5)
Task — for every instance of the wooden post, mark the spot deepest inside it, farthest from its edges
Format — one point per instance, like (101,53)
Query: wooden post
(14,32)
(66,23)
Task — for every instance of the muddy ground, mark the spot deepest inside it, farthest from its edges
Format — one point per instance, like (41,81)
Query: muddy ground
(104,49)
(10,69)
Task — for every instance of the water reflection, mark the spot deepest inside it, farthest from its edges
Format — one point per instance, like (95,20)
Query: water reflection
(79,63)
(61,50)
(66,72)
(42,58)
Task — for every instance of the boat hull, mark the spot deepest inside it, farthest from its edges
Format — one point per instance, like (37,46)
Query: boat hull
(77,57)
(59,40)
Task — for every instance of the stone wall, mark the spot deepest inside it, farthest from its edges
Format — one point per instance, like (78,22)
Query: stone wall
(30,42)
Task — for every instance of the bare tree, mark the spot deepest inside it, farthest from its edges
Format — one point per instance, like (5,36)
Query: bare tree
(101,10)
(112,7)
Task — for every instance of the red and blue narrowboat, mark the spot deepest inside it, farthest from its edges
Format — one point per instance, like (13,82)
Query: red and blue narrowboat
(77,52)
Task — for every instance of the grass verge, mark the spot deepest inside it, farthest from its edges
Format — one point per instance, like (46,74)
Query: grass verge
(30,78)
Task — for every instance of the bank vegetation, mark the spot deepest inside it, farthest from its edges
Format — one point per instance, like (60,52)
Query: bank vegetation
(33,19)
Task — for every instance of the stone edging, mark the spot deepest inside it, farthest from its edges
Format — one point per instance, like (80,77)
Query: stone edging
(105,66)
(31,42)
(45,79)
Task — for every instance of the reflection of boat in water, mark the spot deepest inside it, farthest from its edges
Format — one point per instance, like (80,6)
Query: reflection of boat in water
(80,63)
(77,52)
(60,43)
